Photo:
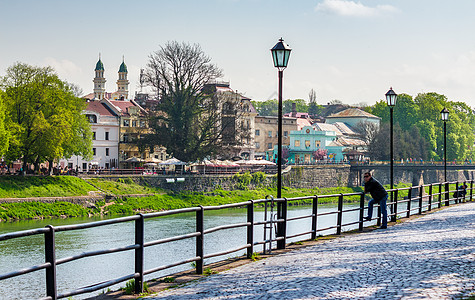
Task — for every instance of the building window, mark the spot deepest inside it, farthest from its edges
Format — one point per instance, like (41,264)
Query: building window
(307,144)
(126,122)
(92,118)
(94,151)
(317,144)
(107,165)
(142,123)
(258,145)
(107,135)
(258,132)
(270,133)
(134,123)
(286,133)
(297,143)
(269,146)
(107,151)
(126,138)
(94,135)
(84,166)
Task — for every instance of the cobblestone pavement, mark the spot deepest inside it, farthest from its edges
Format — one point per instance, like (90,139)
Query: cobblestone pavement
(432,257)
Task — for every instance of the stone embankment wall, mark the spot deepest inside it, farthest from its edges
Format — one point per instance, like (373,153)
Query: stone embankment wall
(296,177)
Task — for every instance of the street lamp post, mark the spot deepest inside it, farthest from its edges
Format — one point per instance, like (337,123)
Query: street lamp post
(391,98)
(280,55)
(444,114)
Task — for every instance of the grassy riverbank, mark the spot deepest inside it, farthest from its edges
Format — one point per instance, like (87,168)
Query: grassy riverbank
(156,199)
(43,186)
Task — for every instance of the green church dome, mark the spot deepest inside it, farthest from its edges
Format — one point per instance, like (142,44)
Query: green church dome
(123,68)
(99,66)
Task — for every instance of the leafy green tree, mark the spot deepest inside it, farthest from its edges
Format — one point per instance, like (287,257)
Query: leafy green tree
(44,116)
(423,112)
(266,108)
(4,135)
(300,105)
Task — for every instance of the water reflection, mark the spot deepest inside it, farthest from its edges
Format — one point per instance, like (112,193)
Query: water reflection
(29,251)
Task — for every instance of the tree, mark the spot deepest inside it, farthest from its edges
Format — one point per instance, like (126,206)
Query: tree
(43,115)
(4,135)
(266,108)
(367,130)
(320,154)
(300,105)
(423,112)
(192,120)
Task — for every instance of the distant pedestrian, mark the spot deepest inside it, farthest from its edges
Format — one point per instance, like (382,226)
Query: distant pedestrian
(461,191)
(379,195)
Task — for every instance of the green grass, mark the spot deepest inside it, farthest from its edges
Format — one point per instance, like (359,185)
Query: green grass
(47,186)
(36,210)
(123,186)
(15,186)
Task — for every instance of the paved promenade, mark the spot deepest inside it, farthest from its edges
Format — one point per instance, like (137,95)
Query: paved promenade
(432,257)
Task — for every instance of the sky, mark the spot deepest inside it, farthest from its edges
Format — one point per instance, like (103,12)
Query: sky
(352,51)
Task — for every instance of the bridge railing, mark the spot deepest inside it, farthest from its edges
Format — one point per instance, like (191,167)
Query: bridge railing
(424,198)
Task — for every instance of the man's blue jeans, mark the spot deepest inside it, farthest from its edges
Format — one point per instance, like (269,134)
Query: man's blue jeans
(384,210)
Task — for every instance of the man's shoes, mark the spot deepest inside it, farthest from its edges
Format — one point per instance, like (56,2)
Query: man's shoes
(367,218)
(383,227)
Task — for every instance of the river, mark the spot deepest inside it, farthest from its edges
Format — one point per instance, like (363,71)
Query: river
(29,251)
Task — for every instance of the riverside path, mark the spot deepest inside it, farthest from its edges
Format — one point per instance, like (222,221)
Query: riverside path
(431,257)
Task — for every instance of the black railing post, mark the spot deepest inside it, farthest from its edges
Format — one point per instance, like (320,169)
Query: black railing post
(314,217)
(471,189)
(409,197)
(421,193)
(394,216)
(457,199)
(378,220)
(139,253)
(430,197)
(340,214)
(439,204)
(250,229)
(360,227)
(200,239)
(464,199)
(281,226)
(50,257)
(447,194)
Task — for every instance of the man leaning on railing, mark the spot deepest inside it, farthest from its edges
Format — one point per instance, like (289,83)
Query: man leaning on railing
(379,195)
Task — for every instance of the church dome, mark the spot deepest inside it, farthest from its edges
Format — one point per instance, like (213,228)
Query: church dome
(123,67)
(99,66)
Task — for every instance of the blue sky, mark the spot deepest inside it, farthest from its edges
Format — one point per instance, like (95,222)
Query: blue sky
(352,51)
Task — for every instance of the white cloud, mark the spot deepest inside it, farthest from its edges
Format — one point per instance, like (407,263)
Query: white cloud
(64,67)
(352,8)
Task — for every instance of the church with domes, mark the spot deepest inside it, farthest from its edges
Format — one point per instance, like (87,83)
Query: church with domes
(122,92)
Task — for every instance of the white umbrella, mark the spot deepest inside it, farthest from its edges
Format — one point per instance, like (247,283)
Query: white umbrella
(172,161)
(134,159)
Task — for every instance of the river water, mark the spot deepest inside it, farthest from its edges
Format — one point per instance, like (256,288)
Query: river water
(29,251)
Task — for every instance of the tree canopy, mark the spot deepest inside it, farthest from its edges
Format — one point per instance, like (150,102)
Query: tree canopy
(419,118)
(4,135)
(189,119)
(43,116)
(271,107)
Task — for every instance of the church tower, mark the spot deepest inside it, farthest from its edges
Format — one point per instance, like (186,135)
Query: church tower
(123,83)
(99,81)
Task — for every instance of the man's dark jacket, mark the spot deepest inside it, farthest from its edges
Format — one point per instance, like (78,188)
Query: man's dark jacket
(375,188)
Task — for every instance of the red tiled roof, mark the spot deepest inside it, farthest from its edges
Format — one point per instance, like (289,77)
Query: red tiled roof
(124,105)
(100,108)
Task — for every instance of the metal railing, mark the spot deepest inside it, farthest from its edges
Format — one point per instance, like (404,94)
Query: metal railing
(428,196)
